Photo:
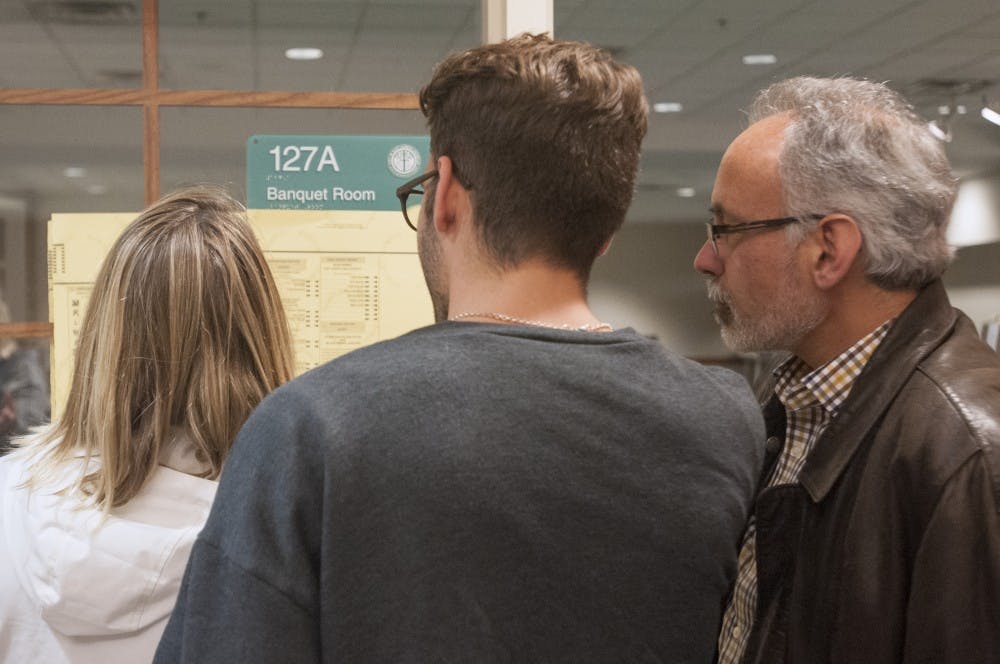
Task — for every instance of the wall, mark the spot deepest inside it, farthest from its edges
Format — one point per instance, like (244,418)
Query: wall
(646,280)
(973,282)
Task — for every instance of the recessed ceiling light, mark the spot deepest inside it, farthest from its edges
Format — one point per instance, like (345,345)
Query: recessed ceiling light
(75,172)
(668,107)
(97,189)
(939,132)
(960,109)
(685,192)
(304,53)
(759,59)
(991,115)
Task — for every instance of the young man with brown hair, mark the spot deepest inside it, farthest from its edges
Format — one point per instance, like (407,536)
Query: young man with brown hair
(519,482)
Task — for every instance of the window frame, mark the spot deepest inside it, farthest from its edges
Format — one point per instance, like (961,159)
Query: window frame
(150,97)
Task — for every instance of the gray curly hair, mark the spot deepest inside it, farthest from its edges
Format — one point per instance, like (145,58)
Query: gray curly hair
(856,147)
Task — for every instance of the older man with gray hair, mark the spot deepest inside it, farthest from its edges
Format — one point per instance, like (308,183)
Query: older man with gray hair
(875,536)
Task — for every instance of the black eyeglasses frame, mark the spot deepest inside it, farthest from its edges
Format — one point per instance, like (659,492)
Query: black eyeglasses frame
(716,230)
(409,188)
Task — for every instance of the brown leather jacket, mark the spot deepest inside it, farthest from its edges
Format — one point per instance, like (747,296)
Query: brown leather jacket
(889,548)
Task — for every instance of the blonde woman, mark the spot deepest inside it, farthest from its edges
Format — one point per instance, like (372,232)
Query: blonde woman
(183,336)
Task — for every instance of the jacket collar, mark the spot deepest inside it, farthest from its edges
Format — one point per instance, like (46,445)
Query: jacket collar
(920,328)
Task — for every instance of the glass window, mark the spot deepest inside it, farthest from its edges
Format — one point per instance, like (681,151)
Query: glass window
(59,159)
(51,44)
(374,46)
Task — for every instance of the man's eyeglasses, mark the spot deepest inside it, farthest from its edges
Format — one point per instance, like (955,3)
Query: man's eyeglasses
(715,230)
(413,187)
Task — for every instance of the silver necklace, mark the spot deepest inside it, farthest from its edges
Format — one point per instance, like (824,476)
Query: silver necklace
(588,327)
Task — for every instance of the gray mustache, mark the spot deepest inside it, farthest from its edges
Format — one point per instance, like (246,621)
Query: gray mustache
(715,292)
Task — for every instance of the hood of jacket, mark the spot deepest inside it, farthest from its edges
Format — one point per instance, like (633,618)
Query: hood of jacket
(91,575)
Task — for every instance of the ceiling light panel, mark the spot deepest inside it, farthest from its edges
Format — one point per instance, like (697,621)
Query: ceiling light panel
(668,107)
(304,53)
(760,59)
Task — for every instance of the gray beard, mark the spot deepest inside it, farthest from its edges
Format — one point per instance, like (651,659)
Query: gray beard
(787,319)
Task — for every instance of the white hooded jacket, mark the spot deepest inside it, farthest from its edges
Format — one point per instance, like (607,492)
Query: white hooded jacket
(74,589)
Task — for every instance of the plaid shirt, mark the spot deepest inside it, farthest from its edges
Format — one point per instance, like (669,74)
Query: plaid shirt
(811,399)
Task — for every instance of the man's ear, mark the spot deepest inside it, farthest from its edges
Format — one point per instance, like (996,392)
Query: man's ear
(605,246)
(836,247)
(451,199)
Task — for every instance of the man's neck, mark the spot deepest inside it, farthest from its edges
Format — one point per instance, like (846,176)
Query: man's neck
(854,314)
(533,291)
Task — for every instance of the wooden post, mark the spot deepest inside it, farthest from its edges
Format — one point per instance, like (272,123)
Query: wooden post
(506,18)
(151,107)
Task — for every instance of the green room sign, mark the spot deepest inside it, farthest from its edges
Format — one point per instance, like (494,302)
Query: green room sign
(300,172)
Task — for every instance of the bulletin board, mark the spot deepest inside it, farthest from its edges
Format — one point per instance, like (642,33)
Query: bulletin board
(325,212)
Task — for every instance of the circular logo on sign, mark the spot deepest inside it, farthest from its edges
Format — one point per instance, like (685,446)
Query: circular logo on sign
(404,160)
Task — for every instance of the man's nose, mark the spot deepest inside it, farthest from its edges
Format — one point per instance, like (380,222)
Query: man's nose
(706,262)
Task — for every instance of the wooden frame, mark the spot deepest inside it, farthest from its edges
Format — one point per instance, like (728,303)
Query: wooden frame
(151,97)
(26,330)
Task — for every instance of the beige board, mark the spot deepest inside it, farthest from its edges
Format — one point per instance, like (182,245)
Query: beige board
(347,279)
(77,245)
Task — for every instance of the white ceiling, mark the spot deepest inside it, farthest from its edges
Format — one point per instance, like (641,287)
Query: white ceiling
(689,51)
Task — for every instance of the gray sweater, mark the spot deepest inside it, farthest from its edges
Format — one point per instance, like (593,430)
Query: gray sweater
(478,493)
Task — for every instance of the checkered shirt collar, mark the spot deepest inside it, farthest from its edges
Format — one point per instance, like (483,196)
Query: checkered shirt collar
(798,387)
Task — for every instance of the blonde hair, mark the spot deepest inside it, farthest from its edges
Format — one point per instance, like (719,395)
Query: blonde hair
(184,332)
